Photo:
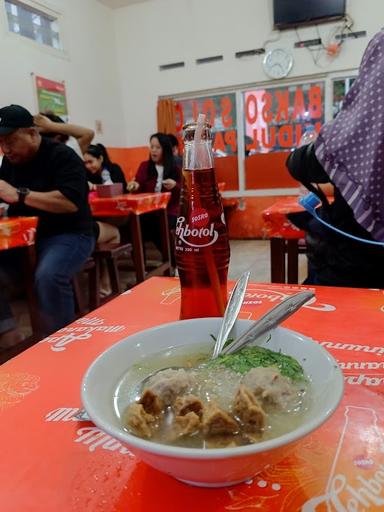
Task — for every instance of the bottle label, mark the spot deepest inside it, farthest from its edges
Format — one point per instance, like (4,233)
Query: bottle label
(199,232)
(199,218)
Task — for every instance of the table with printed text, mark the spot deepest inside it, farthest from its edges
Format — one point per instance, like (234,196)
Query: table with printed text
(52,459)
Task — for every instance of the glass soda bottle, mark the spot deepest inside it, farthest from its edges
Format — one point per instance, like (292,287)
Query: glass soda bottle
(202,246)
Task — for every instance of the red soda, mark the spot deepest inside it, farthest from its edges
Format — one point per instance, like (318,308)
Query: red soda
(202,246)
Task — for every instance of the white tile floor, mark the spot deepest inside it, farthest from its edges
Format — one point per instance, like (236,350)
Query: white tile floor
(254,255)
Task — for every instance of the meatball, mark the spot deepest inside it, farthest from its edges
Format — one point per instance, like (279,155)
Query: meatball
(217,421)
(189,403)
(270,387)
(169,384)
(249,410)
(140,422)
(151,403)
(187,425)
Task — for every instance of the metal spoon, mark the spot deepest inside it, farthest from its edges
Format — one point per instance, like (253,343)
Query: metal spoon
(231,312)
(267,322)
(270,320)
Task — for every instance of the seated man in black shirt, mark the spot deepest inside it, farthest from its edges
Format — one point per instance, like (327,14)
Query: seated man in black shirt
(40,177)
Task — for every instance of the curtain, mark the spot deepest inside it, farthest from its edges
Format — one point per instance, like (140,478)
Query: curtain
(166,116)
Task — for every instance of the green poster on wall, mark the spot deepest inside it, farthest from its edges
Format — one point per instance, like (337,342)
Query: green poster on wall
(51,97)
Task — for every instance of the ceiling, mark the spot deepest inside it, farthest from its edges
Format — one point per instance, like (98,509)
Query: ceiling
(115,4)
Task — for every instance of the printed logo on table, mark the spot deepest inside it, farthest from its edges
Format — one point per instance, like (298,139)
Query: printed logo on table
(362,372)
(94,438)
(360,485)
(364,462)
(90,436)
(14,387)
(171,295)
(362,379)
(254,296)
(29,236)
(82,329)
(122,206)
(275,296)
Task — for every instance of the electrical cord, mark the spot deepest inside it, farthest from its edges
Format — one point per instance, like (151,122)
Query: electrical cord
(310,201)
(274,40)
(340,29)
(318,51)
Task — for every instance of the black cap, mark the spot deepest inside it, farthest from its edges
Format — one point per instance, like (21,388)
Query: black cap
(14,117)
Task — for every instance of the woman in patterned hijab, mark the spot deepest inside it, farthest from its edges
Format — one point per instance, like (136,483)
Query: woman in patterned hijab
(349,153)
(351,148)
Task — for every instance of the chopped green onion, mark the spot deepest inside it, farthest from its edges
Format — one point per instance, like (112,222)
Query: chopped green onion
(252,357)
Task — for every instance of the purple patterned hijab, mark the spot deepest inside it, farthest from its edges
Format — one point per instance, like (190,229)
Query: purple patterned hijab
(351,147)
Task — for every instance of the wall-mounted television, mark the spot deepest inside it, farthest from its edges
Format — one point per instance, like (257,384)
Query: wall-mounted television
(292,13)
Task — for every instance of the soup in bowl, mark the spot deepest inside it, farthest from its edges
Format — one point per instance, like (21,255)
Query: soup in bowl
(224,422)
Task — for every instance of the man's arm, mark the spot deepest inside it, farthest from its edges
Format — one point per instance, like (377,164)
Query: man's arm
(53,202)
(83,135)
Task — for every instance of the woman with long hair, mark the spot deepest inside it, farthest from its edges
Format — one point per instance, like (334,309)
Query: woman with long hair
(100,169)
(160,173)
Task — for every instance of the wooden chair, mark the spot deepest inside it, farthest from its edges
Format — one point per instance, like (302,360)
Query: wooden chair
(285,259)
(91,268)
(28,269)
(110,254)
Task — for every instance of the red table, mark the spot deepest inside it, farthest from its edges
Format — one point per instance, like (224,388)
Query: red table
(51,461)
(20,232)
(126,204)
(132,206)
(17,232)
(284,239)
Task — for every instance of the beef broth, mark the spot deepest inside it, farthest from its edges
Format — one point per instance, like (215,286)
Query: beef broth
(205,407)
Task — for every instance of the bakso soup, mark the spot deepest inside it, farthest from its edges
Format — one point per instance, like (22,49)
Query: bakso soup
(238,399)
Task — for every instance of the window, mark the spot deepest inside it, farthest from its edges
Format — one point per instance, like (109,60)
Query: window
(25,20)
(340,89)
(274,120)
(221,114)
(253,129)
(276,117)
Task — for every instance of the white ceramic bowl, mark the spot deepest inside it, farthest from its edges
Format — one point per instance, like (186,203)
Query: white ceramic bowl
(219,466)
